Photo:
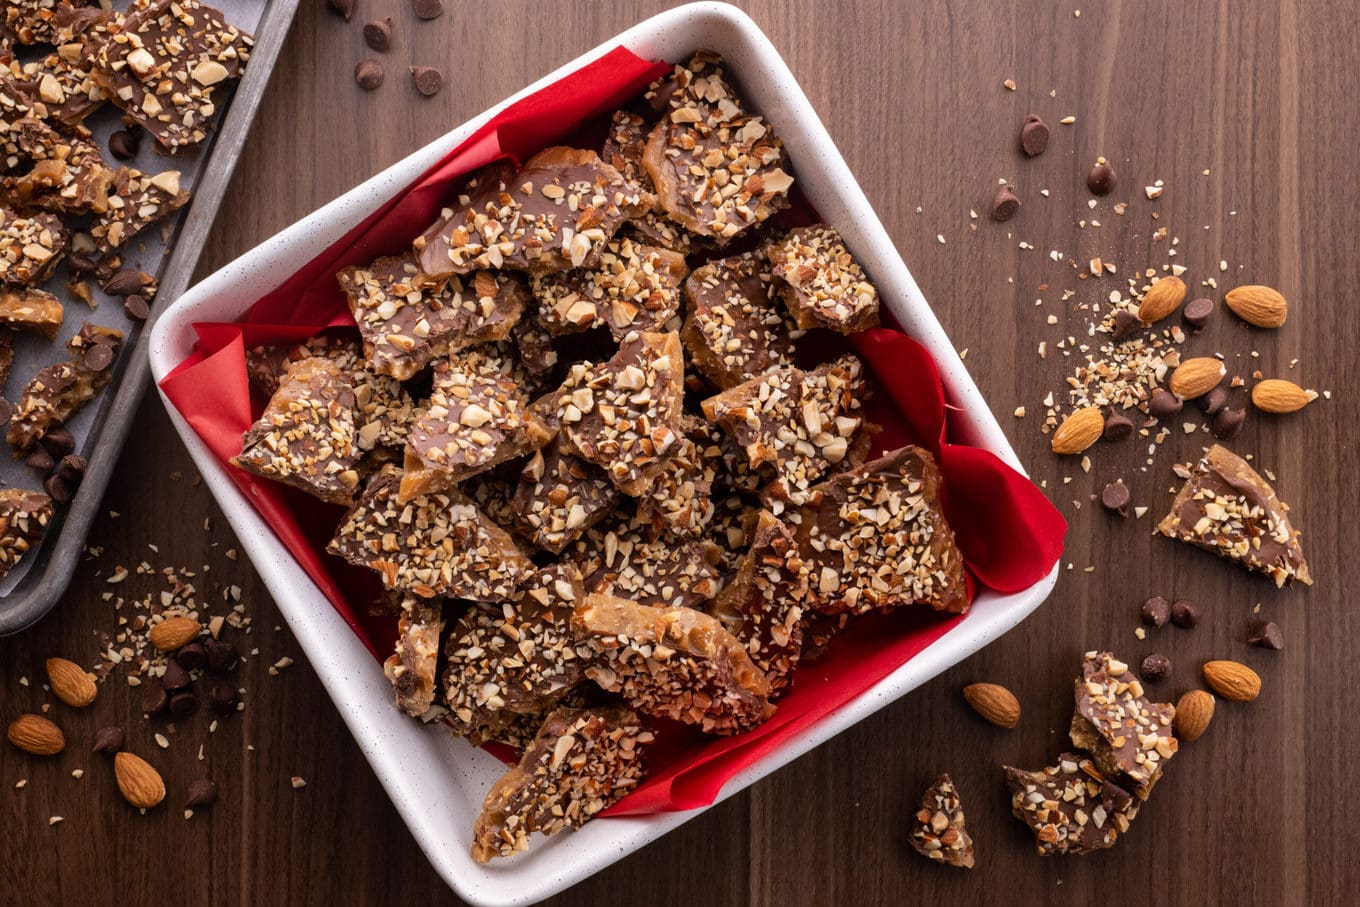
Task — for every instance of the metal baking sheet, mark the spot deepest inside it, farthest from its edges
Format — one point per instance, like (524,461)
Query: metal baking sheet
(168,250)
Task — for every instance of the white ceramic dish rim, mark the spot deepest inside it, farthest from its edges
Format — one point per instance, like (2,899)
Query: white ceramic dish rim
(402,753)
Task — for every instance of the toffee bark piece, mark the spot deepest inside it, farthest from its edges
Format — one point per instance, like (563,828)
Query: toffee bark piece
(622,558)
(534,346)
(65,175)
(557,212)
(57,392)
(411,668)
(679,664)
(23,520)
(31,21)
(559,497)
(407,320)
(679,504)
(581,762)
(518,656)
(437,545)
(136,201)
(477,416)
(875,538)
(623,148)
(632,287)
(165,65)
(1227,508)
(820,281)
(307,437)
(764,605)
(938,832)
(31,310)
(1130,738)
(30,247)
(735,328)
(624,415)
(61,83)
(518,731)
(1071,807)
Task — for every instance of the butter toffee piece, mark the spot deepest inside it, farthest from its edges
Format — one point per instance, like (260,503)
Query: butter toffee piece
(1130,738)
(622,558)
(68,175)
(27,309)
(60,82)
(938,832)
(821,282)
(633,287)
(30,21)
(680,502)
(165,64)
(580,763)
(411,668)
(559,497)
(136,201)
(1071,807)
(434,545)
(23,520)
(30,247)
(735,328)
(673,663)
(57,392)
(875,538)
(623,148)
(407,320)
(557,212)
(307,437)
(1227,508)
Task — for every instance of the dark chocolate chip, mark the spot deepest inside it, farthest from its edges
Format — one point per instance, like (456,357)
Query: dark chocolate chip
(1163,403)
(221,654)
(71,469)
(192,657)
(1005,204)
(1267,636)
(175,677)
(59,442)
(1115,498)
(56,489)
(124,283)
(378,34)
(1228,424)
(136,307)
(1197,311)
(108,740)
(369,74)
(1117,426)
(223,698)
(1101,179)
(81,265)
(202,794)
(6,410)
(1033,136)
(1125,323)
(40,459)
(182,705)
(98,357)
(1213,402)
(1155,611)
(124,145)
(1185,614)
(154,699)
(427,79)
(1155,668)
(343,7)
(428,9)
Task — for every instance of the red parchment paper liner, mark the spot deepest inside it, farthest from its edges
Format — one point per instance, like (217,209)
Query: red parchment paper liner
(1009,533)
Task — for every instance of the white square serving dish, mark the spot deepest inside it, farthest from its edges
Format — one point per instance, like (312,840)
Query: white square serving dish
(438,782)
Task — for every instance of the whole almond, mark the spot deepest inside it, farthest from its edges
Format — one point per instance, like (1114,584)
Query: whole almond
(1193,714)
(1196,377)
(1162,298)
(1276,395)
(1232,680)
(71,683)
(36,736)
(141,785)
(174,632)
(993,702)
(1261,306)
(1079,431)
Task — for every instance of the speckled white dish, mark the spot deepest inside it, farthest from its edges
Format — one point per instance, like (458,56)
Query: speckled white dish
(438,782)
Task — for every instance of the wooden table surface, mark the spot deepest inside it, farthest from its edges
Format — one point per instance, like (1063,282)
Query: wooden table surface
(1247,112)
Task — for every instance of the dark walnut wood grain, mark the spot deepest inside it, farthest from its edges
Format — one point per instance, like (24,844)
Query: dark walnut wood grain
(1258,810)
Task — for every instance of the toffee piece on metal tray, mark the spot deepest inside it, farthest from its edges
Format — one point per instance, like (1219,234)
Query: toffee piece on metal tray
(57,392)
(23,520)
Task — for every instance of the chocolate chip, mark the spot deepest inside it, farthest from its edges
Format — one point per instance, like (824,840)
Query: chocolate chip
(1185,614)
(108,740)
(182,705)
(428,9)
(1267,636)
(1125,323)
(1163,403)
(81,265)
(136,307)
(59,442)
(6,410)
(1117,426)
(71,469)
(40,459)
(175,677)
(1115,498)
(124,145)
(1101,179)
(428,80)
(1213,402)
(221,654)
(1033,136)
(56,489)
(1155,611)
(154,699)
(192,657)
(1197,311)
(98,357)
(124,283)
(1005,204)
(1228,424)
(202,794)
(369,74)
(378,34)
(343,7)
(223,698)
(1155,668)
